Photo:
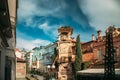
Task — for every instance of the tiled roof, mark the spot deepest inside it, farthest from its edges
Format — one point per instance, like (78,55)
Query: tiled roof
(96,71)
(19,59)
(16,49)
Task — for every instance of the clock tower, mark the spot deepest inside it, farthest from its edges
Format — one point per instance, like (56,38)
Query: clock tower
(66,51)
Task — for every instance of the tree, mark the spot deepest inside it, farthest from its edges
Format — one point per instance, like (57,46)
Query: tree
(78,58)
(27,61)
(54,55)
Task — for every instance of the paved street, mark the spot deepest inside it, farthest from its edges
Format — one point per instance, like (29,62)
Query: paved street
(21,79)
(35,76)
(39,77)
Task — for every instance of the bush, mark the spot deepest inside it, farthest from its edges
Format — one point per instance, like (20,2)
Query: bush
(85,65)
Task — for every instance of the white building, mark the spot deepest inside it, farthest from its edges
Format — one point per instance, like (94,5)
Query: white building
(19,54)
(30,59)
(8,10)
(37,58)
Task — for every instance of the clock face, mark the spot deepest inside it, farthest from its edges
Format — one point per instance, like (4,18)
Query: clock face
(64,48)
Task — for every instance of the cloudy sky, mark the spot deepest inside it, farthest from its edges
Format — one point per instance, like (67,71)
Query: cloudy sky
(38,20)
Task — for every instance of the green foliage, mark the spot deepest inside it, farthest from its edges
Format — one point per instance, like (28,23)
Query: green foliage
(78,60)
(54,55)
(27,62)
(85,65)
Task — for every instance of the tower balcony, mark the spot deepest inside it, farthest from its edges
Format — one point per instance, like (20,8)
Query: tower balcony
(65,59)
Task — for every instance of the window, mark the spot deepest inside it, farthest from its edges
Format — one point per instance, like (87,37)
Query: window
(100,54)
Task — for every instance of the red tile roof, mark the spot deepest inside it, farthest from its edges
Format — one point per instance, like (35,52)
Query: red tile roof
(16,49)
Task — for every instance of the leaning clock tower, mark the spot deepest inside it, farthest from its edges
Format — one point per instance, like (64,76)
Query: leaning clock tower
(66,51)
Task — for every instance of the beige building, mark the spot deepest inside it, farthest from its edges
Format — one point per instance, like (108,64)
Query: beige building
(30,59)
(8,9)
(20,68)
(20,64)
(19,54)
(66,53)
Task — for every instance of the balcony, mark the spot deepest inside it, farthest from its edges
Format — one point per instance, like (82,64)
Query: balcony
(65,59)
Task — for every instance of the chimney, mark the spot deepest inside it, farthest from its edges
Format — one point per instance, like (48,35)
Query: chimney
(93,37)
(99,33)
(99,37)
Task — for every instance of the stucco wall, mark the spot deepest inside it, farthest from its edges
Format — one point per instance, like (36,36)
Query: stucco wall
(20,69)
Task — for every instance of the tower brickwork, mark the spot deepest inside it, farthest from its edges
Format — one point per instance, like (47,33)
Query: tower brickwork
(66,53)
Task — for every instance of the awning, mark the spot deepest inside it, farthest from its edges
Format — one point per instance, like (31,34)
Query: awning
(93,72)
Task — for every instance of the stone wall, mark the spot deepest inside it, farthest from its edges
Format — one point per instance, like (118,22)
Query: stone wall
(20,70)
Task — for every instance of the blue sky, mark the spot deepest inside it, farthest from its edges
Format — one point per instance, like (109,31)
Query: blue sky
(38,20)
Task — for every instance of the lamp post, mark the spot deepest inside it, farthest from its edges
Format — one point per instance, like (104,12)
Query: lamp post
(48,71)
(51,71)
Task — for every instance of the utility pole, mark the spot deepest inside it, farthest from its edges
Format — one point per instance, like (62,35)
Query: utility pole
(109,71)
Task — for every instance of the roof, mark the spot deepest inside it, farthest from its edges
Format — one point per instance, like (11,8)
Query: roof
(96,71)
(65,28)
(49,45)
(20,60)
(87,42)
(16,49)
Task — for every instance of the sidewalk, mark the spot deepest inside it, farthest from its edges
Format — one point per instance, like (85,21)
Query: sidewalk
(39,77)
(36,76)
(20,79)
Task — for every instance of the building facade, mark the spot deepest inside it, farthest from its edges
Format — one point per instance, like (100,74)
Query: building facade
(28,58)
(20,68)
(96,47)
(8,13)
(93,51)
(66,53)
(37,58)
(20,63)
(49,51)
(20,53)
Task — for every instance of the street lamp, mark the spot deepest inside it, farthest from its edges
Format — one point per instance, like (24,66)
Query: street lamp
(48,67)
(53,66)
(51,71)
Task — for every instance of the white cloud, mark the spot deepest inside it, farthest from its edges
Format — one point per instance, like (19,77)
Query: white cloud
(27,42)
(22,43)
(45,27)
(30,44)
(29,8)
(101,13)
(49,30)
(40,42)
